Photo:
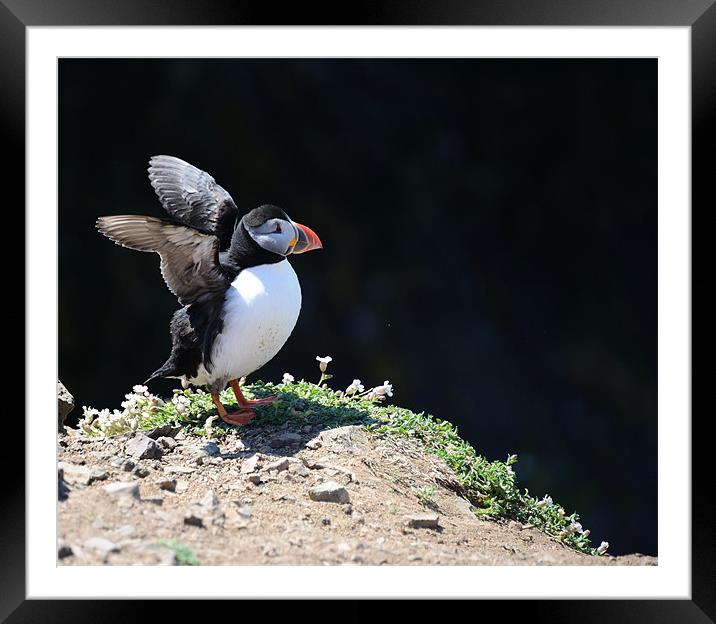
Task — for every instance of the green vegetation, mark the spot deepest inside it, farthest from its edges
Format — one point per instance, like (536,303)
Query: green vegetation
(490,486)
(426,495)
(182,552)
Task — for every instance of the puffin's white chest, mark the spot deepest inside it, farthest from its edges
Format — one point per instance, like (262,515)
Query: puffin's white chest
(260,311)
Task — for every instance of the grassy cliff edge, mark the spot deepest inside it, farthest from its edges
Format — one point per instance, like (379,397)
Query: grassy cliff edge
(490,486)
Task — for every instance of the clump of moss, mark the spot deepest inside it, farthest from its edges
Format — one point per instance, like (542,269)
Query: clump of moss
(183,554)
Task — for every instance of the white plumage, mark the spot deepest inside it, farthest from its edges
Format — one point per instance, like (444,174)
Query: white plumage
(260,311)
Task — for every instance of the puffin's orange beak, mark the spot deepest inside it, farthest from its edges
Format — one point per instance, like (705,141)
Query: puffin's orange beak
(307,240)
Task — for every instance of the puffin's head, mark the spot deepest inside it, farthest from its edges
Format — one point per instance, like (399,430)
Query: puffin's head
(273,230)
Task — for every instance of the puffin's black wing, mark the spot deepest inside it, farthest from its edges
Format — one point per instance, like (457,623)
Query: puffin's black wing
(190,259)
(193,197)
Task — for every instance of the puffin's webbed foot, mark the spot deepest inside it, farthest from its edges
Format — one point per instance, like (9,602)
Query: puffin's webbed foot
(243,416)
(247,403)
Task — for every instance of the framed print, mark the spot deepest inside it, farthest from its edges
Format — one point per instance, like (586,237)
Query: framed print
(483,366)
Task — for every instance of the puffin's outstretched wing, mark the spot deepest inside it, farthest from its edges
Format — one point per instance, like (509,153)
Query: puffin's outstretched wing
(193,197)
(190,259)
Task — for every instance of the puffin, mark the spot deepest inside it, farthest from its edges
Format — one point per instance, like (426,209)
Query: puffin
(239,294)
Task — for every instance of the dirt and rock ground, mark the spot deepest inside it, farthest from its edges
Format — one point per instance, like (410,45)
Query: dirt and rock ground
(280,496)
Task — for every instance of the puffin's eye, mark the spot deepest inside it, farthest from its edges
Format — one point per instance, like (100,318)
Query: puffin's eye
(278,229)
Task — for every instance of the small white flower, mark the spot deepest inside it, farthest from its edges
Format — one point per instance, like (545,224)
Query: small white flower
(575,527)
(323,362)
(181,403)
(287,378)
(139,389)
(208,426)
(379,392)
(560,512)
(586,532)
(548,500)
(356,386)
(603,548)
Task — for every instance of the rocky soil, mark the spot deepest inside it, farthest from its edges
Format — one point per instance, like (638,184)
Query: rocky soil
(280,496)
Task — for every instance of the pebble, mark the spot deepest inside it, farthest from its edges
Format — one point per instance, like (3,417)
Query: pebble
(179,469)
(63,549)
(255,479)
(182,486)
(101,544)
(287,438)
(168,557)
(192,518)
(209,500)
(329,492)
(73,473)
(127,530)
(143,447)
(170,431)
(97,474)
(245,511)
(422,521)
(154,500)
(249,465)
(314,444)
(65,403)
(211,448)
(167,442)
(170,485)
(299,469)
(63,490)
(278,465)
(100,455)
(122,489)
(140,472)
(269,550)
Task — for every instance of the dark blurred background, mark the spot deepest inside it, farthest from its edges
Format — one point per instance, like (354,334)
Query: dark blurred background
(490,234)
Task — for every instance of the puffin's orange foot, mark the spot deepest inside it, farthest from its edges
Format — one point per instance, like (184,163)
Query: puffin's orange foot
(244,402)
(240,417)
(243,416)
(263,401)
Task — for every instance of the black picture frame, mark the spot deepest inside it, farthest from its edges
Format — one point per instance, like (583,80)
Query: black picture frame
(700,15)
